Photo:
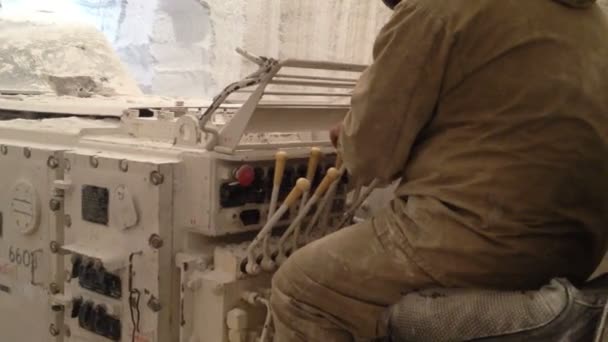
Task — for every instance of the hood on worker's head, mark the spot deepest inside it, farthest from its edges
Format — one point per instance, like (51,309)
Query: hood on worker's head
(577,3)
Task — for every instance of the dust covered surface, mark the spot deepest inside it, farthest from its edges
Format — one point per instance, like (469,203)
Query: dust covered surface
(64,59)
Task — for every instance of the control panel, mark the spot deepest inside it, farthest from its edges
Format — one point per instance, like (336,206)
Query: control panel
(245,195)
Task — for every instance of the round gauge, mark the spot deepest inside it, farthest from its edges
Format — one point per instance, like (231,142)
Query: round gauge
(25,208)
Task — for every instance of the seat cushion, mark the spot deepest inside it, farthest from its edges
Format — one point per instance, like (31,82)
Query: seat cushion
(463,314)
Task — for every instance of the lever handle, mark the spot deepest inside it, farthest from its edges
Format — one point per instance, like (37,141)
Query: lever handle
(330,177)
(279,167)
(302,185)
(313,162)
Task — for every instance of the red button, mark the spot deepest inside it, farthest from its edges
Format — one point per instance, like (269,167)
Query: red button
(245,175)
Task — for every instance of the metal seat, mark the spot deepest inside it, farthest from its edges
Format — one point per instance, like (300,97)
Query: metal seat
(556,312)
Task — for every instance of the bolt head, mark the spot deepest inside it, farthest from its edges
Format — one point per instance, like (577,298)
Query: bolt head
(68,165)
(157,178)
(52,162)
(55,204)
(54,288)
(4,149)
(67,221)
(27,153)
(155,241)
(154,304)
(54,246)
(53,330)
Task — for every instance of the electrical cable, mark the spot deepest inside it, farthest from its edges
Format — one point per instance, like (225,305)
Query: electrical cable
(134,298)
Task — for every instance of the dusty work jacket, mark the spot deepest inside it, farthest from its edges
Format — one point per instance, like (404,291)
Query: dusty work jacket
(494,113)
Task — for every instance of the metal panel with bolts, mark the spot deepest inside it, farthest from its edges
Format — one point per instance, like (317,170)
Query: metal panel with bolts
(141,227)
(29,269)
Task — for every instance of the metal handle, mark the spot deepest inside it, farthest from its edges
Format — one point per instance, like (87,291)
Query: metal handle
(330,177)
(313,162)
(279,168)
(302,185)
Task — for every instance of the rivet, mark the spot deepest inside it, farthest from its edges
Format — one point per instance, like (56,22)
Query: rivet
(54,288)
(157,178)
(68,332)
(54,246)
(55,204)
(94,161)
(154,304)
(68,165)
(53,330)
(67,221)
(155,241)
(52,162)
(123,165)
(3,149)
(27,152)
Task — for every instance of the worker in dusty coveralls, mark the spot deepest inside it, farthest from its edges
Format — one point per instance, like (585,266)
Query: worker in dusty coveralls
(494,114)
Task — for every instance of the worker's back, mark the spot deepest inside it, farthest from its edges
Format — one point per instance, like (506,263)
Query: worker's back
(507,185)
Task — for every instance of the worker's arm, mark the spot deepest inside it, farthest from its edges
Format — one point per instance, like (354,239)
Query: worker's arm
(396,96)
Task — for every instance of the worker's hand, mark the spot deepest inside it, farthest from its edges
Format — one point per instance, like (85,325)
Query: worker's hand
(334,134)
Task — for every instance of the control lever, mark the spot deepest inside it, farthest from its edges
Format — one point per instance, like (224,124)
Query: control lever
(331,195)
(302,185)
(294,227)
(313,163)
(324,206)
(350,213)
(279,170)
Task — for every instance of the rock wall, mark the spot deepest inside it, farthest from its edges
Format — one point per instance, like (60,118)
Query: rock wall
(339,30)
(186,47)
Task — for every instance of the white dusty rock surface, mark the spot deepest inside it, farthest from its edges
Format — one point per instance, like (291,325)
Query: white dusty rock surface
(186,47)
(40,56)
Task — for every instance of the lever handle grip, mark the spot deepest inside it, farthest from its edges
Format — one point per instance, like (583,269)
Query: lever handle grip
(313,162)
(330,177)
(302,185)
(279,167)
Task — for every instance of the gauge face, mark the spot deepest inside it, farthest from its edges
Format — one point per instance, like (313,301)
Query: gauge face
(25,209)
